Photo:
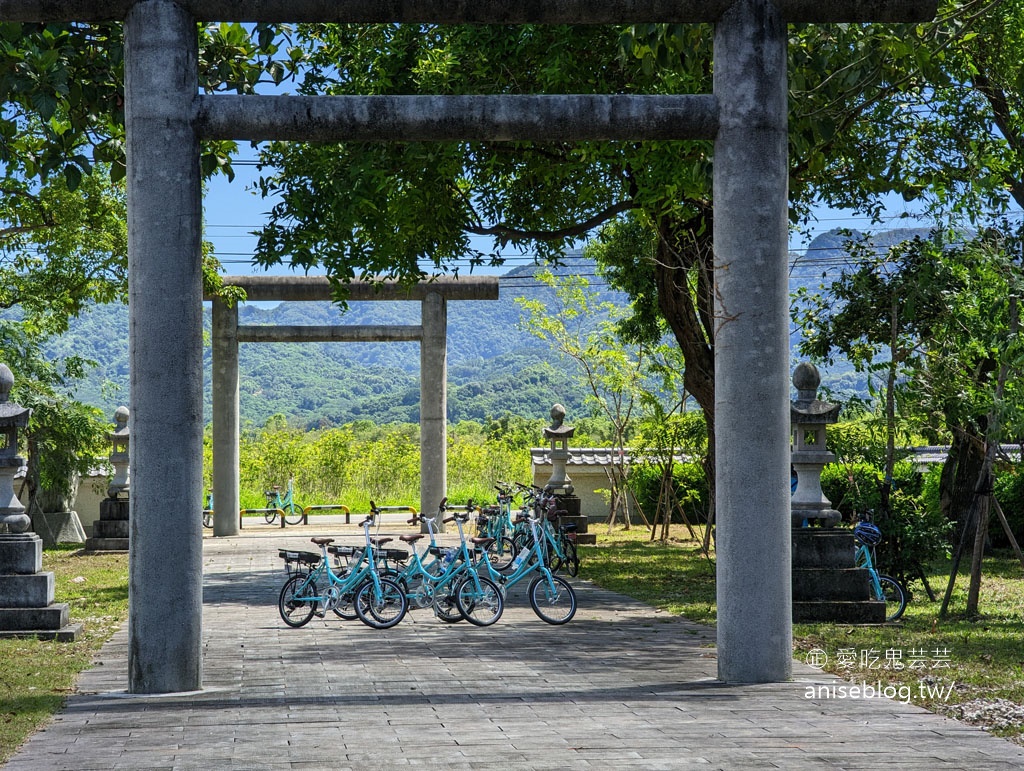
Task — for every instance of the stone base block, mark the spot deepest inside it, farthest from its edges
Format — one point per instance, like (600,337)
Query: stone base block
(849,585)
(59,527)
(114,509)
(117,528)
(582,523)
(866,612)
(106,544)
(22,619)
(26,591)
(816,548)
(21,554)
(49,623)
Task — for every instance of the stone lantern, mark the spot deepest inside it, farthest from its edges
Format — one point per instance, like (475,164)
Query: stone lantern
(12,417)
(110,531)
(26,591)
(827,584)
(119,439)
(808,419)
(559,434)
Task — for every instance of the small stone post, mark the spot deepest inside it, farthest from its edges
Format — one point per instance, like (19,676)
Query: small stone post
(12,417)
(809,417)
(26,593)
(559,434)
(827,584)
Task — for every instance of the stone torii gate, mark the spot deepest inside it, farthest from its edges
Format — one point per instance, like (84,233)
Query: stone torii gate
(746,116)
(431,333)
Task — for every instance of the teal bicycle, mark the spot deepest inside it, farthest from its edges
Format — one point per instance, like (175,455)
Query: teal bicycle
(552,597)
(290,509)
(559,541)
(314,589)
(496,522)
(433,583)
(884,588)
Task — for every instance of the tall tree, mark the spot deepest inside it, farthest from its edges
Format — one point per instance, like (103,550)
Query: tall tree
(945,311)
(409,209)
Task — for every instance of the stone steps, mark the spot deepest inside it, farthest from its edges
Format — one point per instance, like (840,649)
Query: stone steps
(827,585)
(110,531)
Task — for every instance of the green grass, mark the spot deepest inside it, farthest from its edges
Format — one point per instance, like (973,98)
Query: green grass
(981,658)
(36,675)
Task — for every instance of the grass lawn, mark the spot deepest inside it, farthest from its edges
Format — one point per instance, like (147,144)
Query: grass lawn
(35,675)
(969,669)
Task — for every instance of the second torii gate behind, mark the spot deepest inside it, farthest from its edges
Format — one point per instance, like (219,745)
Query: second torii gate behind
(431,333)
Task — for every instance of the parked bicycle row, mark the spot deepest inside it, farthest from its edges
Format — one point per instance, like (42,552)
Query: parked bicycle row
(468,581)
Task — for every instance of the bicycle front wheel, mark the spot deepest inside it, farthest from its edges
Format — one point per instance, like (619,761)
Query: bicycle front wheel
(552,599)
(270,515)
(479,600)
(383,609)
(294,611)
(292,513)
(895,597)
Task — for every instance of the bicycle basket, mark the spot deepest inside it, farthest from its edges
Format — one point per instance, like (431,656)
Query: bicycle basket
(868,533)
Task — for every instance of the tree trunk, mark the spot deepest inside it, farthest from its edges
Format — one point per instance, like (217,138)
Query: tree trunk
(960,474)
(684,275)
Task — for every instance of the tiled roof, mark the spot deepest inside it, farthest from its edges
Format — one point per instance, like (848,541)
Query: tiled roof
(589,456)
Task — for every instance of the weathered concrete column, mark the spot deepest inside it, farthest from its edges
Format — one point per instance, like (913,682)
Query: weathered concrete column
(226,496)
(433,402)
(752,346)
(165,350)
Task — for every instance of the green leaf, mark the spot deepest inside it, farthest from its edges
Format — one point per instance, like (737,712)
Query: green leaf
(73,177)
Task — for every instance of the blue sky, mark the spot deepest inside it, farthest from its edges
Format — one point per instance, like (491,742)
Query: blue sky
(233,210)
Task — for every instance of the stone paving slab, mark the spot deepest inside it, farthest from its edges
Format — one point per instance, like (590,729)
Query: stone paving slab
(622,685)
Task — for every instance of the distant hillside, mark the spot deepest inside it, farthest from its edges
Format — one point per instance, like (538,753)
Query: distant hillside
(494,366)
(818,267)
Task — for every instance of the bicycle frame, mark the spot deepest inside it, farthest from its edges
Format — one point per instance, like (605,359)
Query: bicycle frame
(531,562)
(865,559)
(427,573)
(339,584)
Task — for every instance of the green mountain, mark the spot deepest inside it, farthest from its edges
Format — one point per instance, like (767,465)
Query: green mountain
(494,365)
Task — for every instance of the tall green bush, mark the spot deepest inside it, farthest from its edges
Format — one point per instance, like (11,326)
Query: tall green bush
(1009,489)
(914,532)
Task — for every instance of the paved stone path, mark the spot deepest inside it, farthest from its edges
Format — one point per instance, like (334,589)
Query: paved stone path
(621,685)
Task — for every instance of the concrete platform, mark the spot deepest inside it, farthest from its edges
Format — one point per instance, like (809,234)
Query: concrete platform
(620,686)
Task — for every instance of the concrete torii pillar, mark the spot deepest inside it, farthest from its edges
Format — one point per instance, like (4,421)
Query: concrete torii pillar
(165,569)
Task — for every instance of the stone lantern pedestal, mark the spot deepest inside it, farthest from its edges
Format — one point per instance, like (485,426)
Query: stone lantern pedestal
(827,585)
(110,531)
(560,484)
(27,608)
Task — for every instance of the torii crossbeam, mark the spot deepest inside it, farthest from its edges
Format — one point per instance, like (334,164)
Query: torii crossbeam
(166,117)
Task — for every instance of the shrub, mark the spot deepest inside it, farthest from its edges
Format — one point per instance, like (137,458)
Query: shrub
(1009,489)
(914,532)
(691,489)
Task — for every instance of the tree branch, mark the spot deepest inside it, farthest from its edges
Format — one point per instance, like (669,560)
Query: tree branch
(575,230)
